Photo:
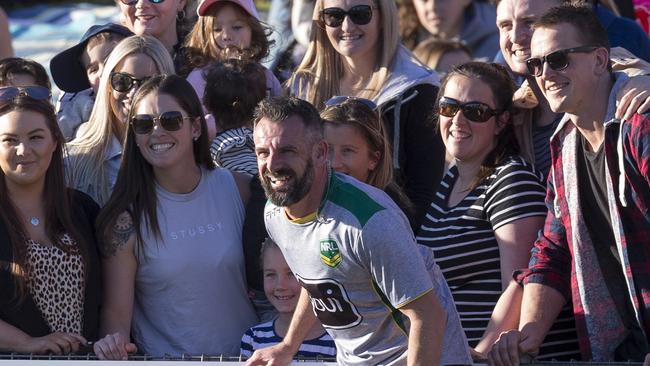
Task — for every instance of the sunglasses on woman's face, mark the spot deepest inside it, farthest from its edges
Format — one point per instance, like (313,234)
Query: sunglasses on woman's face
(473,111)
(558,60)
(8,93)
(170,121)
(133,2)
(123,82)
(359,15)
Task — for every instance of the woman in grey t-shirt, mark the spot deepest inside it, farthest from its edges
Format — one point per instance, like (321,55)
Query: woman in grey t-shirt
(173,258)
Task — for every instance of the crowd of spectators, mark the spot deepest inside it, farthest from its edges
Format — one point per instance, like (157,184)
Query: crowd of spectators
(482,170)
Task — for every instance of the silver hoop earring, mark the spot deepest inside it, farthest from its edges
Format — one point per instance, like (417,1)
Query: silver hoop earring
(180,15)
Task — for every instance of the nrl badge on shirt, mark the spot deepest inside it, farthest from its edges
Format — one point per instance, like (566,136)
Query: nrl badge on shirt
(330,253)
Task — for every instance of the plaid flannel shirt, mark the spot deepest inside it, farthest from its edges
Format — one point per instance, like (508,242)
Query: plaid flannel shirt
(563,256)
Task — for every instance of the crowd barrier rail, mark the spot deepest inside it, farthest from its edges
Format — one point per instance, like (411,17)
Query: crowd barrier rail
(91,360)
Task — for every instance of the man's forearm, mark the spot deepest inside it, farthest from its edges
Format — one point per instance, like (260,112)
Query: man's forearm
(301,322)
(427,331)
(540,307)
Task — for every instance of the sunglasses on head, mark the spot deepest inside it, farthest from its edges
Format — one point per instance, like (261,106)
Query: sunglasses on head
(133,2)
(473,111)
(340,99)
(558,60)
(8,93)
(170,121)
(123,82)
(359,15)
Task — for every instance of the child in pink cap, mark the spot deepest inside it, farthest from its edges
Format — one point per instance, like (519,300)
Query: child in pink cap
(226,29)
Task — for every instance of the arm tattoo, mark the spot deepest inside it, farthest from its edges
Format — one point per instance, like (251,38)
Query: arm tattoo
(120,234)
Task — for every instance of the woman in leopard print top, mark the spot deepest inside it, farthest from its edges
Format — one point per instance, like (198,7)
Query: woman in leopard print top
(49,271)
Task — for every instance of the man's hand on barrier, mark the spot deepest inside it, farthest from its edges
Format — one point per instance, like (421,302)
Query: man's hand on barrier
(278,355)
(114,347)
(511,347)
(57,343)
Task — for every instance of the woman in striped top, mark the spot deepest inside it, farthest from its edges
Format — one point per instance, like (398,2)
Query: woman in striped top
(489,206)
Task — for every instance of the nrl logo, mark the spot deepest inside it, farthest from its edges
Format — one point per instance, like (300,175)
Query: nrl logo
(330,253)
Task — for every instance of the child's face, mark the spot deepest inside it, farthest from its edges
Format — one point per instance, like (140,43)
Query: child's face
(280,286)
(93,61)
(230,27)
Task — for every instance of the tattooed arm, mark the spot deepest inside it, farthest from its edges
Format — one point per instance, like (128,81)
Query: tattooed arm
(118,271)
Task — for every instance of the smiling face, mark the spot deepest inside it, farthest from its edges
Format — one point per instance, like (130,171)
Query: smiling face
(284,159)
(466,141)
(166,149)
(442,18)
(349,151)
(280,286)
(157,20)
(139,66)
(230,26)
(350,39)
(26,147)
(514,21)
(569,90)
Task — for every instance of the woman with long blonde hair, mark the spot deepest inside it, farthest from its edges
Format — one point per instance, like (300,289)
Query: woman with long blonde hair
(94,155)
(355,51)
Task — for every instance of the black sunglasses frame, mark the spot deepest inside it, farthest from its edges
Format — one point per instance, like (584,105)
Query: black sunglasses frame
(36,92)
(133,82)
(169,121)
(358,14)
(557,60)
(469,110)
(133,2)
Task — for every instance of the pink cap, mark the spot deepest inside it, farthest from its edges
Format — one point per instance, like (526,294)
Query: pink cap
(247,5)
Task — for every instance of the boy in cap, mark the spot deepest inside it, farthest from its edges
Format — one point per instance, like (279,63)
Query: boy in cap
(76,71)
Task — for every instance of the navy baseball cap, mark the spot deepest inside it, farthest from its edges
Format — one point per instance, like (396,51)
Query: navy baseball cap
(67,71)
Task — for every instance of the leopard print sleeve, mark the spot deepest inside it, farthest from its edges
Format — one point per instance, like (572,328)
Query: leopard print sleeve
(120,235)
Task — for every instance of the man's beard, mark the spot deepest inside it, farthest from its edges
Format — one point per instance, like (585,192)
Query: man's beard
(296,190)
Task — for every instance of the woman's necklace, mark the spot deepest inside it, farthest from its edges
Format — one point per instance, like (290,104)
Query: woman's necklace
(34,221)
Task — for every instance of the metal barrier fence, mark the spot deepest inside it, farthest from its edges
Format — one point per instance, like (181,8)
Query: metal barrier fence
(91,360)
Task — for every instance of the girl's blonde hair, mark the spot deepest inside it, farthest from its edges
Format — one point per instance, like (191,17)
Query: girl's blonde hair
(202,49)
(318,76)
(85,165)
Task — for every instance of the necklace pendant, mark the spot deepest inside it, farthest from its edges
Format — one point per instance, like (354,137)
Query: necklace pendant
(34,221)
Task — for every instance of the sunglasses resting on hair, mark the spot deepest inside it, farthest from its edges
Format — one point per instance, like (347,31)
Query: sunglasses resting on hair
(359,15)
(170,121)
(339,99)
(473,111)
(558,60)
(36,92)
(123,82)
(133,2)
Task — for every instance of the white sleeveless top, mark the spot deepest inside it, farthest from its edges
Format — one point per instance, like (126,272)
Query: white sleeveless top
(190,288)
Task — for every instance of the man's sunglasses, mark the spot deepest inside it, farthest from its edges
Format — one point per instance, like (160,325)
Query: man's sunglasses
(340,99)
(170,121)
(133,2)
(473,111)
(123,82)
(558,60)
(8,93)
(359,15)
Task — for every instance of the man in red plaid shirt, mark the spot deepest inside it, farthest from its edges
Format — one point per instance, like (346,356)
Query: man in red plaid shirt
(595,247)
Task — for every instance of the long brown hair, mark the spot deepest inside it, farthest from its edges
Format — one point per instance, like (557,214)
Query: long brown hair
(497,78)
(56,197)
(134,192)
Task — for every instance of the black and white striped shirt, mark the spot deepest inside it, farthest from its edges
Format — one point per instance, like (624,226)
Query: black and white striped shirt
(462,237)
(234,150)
